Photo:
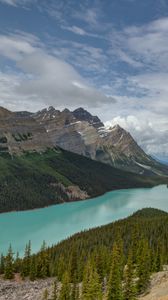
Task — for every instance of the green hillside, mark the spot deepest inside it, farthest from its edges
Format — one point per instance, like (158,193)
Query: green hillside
(30,181)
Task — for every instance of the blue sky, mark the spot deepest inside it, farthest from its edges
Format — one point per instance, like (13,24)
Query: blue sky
(109,56)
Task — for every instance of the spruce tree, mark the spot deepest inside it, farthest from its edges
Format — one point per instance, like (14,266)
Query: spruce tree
(158,260)
(73,265)
(129,279)
(61,266)
(32,273)
(2,264)
(17,263)
(43,262)
(114,291)
(65,293)
(8,268)
(91,288)
(26,261)
(143,266)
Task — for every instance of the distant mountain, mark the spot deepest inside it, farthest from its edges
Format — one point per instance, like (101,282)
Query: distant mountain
(78,132)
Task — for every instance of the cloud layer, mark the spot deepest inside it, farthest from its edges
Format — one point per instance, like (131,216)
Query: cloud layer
(42,77)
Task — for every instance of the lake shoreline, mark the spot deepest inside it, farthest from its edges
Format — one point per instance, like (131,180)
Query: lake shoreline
(58,222)
(87,199)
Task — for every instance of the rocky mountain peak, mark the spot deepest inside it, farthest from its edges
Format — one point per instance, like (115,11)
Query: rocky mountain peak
(83,115)
(45,114)
(117,127)
(66,110)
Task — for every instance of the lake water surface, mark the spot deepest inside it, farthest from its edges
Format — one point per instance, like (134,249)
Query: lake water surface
(57,222)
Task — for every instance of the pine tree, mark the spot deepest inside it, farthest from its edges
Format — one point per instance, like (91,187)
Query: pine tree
(73,265)
(115,280)
(17,263)
(43,262)
(61,266)
(26,261)
(2,264)
(91,288)
(65,293)
(134,242)
(158,260)
(8,268)
(129,279)
(143,266)
(32,273)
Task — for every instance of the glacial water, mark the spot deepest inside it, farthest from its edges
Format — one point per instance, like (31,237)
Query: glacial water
(57,222)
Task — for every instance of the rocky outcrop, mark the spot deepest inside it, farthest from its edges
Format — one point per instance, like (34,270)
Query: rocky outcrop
(27,290)
(158,287)
(22,133)
(70,193)
(24,290)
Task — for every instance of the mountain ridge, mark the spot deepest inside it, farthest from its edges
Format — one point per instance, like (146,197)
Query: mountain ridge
(77,131)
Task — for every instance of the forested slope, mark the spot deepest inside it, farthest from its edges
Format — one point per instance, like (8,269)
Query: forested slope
(35,180)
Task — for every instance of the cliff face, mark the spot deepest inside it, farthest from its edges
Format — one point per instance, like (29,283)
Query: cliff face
(20,133)
(78,132)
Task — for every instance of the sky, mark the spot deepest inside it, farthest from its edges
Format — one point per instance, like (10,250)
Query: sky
(108,56)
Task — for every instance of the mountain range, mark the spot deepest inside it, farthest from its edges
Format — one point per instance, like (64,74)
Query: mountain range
(77,131)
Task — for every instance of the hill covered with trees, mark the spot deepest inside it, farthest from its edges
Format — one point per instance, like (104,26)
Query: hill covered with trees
(36,179)
(114,261)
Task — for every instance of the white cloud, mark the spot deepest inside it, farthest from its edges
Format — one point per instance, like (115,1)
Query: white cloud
(43,78)
(145,45)
(128,59)
(75,29)
(54,82)
(14,46)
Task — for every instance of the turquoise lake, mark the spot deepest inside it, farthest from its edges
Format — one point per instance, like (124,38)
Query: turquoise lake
(57,222)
